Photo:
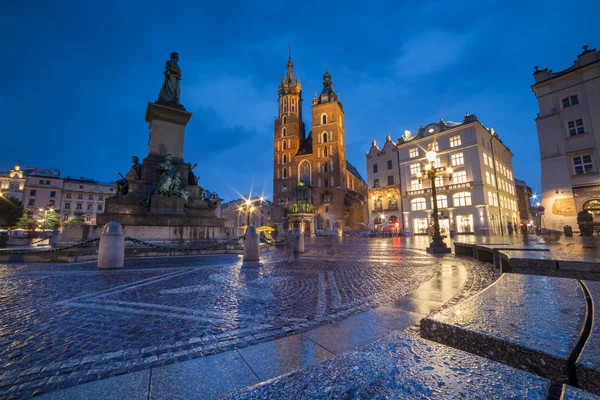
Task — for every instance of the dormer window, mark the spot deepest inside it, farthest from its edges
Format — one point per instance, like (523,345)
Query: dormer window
(570,101)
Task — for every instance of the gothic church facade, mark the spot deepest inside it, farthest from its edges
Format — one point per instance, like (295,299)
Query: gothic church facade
(315,188)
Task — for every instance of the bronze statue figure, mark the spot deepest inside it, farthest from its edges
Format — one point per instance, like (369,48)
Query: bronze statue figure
(169,184)
(134,174)
(192,178)
(170,91)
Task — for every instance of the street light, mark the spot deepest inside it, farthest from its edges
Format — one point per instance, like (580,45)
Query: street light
(437,244)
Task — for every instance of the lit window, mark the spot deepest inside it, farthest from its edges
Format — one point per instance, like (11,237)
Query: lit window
(570,101)
(415,169)
(461,199)
(439,181)
(496,199)
(442,201)
(437,163)
(418,204)
(375,183)
(374,168)
(490,198)
(435,146)
(583,164)
(575,127)
(487,178)
(459,177)
(414,152)
(455,141)
(485,159)
(457,159)
(416,185)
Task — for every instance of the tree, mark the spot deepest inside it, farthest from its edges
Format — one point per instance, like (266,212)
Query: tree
(26,221)
(11,211)
(50,220)
(77,219)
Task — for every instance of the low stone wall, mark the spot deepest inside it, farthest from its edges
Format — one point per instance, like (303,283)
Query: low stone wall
(155,234)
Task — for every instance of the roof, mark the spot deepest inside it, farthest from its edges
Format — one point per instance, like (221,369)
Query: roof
(588,57)
(352,169)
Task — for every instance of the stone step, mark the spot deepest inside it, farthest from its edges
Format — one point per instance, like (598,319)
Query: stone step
(588,363)
(529,322)
(402,366)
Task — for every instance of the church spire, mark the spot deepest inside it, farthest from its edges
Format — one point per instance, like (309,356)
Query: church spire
(327,95)
(289,77)
(290,84)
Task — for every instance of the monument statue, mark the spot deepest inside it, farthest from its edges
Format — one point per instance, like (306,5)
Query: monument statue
(134,174)
(192,178)
(170,91)
(169,184)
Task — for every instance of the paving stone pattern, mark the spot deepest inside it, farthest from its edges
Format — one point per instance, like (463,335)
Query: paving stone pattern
(68,324)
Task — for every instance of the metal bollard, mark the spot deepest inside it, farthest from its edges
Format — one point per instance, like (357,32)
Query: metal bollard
(299,247)
(251,244)
(111,250)
(54,238)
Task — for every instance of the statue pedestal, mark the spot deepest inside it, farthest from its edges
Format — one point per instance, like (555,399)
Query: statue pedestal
(167,131)
(167,205)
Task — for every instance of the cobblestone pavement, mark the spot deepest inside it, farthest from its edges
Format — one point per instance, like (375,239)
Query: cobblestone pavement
(67,324)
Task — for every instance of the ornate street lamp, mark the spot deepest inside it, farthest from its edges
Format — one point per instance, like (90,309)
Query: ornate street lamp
(429,171)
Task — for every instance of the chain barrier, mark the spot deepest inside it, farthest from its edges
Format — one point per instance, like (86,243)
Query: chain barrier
(216,246)
(40,240)
(30,252)
(281,243)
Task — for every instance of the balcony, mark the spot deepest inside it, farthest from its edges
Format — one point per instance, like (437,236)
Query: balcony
(392,207)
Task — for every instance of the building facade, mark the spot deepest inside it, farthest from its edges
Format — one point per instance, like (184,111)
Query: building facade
(384,196)
(568,127)
(236,213)
(12,183)
(524,194)
(314,187)
(43,190)
(481,196)
(85,196)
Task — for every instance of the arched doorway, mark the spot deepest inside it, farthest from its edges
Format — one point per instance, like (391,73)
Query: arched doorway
(306,227)
(593,206)
(296,224)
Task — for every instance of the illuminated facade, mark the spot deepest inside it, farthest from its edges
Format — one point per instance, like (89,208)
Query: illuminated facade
(43,190)
(384,197)
(12,183)
(86,196)
(314,187)
(480,198)
(234,213)
(568,133)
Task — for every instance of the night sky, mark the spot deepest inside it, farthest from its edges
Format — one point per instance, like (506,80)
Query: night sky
(77,76)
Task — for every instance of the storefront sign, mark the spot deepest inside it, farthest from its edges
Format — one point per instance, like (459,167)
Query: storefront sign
(441,188)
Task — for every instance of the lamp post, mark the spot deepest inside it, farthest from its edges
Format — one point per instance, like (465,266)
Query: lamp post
(437,244)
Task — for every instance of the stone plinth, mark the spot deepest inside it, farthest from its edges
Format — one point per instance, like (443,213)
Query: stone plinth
(167,206)
(167,130)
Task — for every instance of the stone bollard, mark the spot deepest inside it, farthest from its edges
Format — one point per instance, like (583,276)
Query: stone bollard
(251,245)
(54,238)
(299,247)
(111,250)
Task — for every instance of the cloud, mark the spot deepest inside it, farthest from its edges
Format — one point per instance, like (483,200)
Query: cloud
(430,51)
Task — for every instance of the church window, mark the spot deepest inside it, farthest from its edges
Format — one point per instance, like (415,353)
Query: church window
(304,172)
(293,108)
(324,137)
(324,119)
(285,120)
(285,174)
(284,132)
(325,152)
(374,168)
(285,159)
(293,101)
(326,183)
(285,108)
(325,167)
(284,145)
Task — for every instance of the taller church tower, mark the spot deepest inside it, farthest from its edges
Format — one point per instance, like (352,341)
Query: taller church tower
(289,134)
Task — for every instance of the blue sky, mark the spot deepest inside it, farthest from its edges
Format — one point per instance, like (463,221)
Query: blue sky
(78,75)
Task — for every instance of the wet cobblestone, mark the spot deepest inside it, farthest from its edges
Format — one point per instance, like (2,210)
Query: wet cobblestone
(69,324)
